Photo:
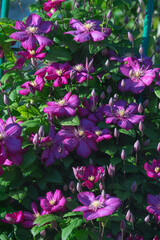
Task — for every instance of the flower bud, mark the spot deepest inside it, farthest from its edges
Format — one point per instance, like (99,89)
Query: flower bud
(34,62)
(65,188)
(123,84)
(77,5)
(43,233)
(147,219)
(6,99)
(138,10)
(111,102)
(103,194)
(134,187)
(116,133)
(78,187)
(146,103)
(123,155)
(89,65)
(27,105)
(35,139)
(72,187)
(72,74)
(102,96)
(109,14)
(93,93)
(109,76)
(31,89)
(141,50)
(146,143)
(130,37)
(101,187)
(126,20)
(158,147)
(115,97)
(41,132)
(107,63)
(109,90)
(132,219)
(128,216)
(123,225)
(56,26)
(137,146)
(159,106)
(141,126)
(32,102)
(111,170)
(140,108)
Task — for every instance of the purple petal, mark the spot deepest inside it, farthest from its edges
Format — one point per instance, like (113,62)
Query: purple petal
(43,41)
(80,209)
(19,25)
(135,119)
(127,125)
(29,43)
(83,149)
(74,101)
(33,20)
(13,145)
(21,36)
(50,196)
(97,36)
(82,37)
(45,27)
(86,198)
(13,130)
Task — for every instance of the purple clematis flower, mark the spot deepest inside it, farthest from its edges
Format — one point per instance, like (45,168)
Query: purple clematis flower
(30,33)
(87,31)
(13,218)
(79,172)
(54,148)
(28,218)
(154,170)
(154,203)
(65,107)
(123,115)
(139,75)
(95,207)
(11,142)
(58,72)
(90,109)
(91,176)
(80,138)
(53,202)
(33,54)
(80,73)
(31,87)
(47,6)
(101,135)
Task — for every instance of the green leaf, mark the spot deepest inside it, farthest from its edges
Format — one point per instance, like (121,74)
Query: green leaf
(30,123)
(43,219)
(32,111)
(54,177)
(78,13)
(128,3)
(37,229)
(72,121)
(96,47)
(28,159)
(74,223)
(130,132)
(109,149)
(81,235)
(19,194)
(122,195)
(59,55)
(7,65)
(72,214)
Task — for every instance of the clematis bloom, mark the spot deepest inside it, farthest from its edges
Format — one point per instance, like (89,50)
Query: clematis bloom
(154,170)
(33,54)
(28,218)
(87,31)
(91,176)
(13,218)
(30,33)
(154,203)
(95,207)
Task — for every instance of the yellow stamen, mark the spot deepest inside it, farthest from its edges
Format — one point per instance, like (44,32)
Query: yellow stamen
(91,178)
(52,202)
(78,67)
(59,72)
(81,133)
(62,102)
(156,169)
(32,29)
(95,203)
(98,133)
(88,26)
(32,52)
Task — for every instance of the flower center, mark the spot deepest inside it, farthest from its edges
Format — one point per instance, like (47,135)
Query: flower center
(136,74)
(156,169)
(52,10)
(49,144)
(1,136)
(52,202)
(34,84)
(36,215)
(59,72)
(32,29)
(95,205)
(91,178)
(98,133)
(62,102)
(88,26)
(121,112)
(32,52)
(53,0)
(79,67)
(81,133)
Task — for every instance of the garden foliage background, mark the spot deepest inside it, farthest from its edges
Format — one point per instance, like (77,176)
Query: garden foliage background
(44,136)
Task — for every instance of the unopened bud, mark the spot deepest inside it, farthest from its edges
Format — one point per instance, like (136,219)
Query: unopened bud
(116,133)
(6,99)
(147,219)
(123,84)
(72,187)
(35,139)
(101,187)
(109,76)
(77,5)
(158,147)
(78,187)
(111,102)
(109,14)
(130,37)
(132,219)
(137,146)
(56,26)
(72,74)
(65,188)
(146,103)
(102,96)
(93,93)
(123,155)
(31,89)
(27,105)
(128,216)
(134,187)
(126,20)
(159,105)
(141,127)
(103,194)
(123,225)
(43,233)
(146,143)
(107,63)
(32,102)
(140,108)
(115,97)
(111,170)
(34,62)
(89,65)
(138,10)
(141,50)
(109,90)
(41,132)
